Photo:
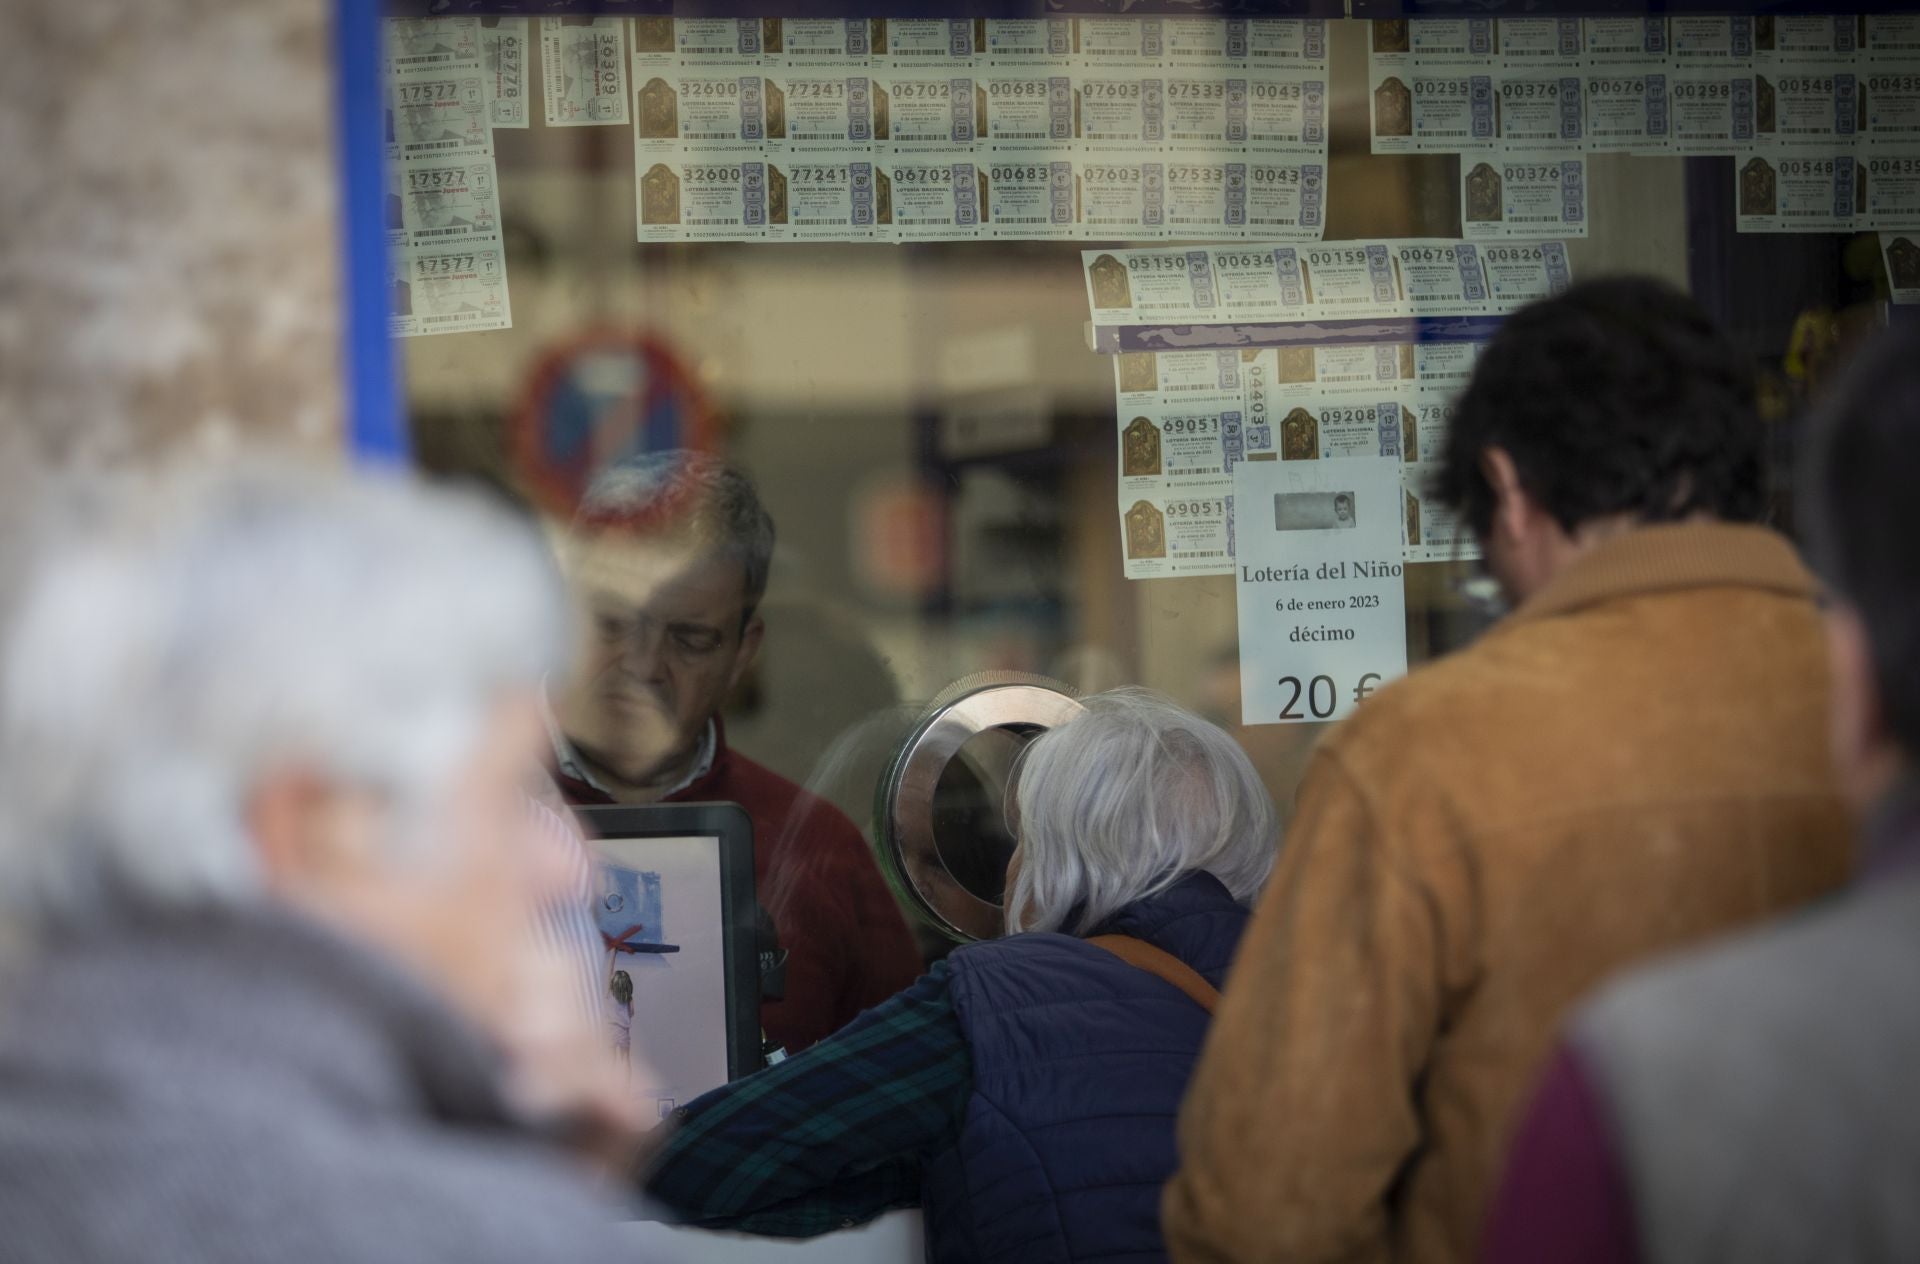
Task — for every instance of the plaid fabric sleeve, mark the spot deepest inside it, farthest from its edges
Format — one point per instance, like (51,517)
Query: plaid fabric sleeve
(831,1137)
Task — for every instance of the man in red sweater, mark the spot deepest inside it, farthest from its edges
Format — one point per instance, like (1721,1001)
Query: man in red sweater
(669,556)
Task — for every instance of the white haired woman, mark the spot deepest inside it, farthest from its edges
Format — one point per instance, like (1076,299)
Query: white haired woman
(263,835)
(1024,1091)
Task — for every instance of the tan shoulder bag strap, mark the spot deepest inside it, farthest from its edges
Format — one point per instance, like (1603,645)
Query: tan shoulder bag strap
(1157,961)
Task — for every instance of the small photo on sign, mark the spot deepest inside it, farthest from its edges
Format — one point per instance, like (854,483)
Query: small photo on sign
(1314,511)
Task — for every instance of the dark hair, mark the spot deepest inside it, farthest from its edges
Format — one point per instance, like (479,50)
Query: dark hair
(1616,397)
(1857,479)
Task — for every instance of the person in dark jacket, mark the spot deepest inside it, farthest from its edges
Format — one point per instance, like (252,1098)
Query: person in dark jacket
(1024,1091)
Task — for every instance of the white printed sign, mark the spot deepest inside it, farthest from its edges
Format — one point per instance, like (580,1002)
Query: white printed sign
(1317,569)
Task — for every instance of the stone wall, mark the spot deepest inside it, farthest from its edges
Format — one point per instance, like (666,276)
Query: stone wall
(168,261)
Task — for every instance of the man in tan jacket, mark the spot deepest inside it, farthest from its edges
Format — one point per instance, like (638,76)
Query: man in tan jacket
(1630,761)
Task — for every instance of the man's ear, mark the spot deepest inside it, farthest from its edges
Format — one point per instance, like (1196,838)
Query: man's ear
(281,816)
(1864,753)
(750,638)
(1511,504)
(302,829)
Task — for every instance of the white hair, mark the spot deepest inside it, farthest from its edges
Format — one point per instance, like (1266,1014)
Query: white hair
(206,629)
(1123,800)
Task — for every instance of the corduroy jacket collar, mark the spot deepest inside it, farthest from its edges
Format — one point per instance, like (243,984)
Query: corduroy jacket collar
(1671,557)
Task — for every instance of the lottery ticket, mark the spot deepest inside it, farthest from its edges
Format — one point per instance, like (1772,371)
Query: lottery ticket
(503,69)
(1043,43)
(1785,191)
(821,197)
(928,45)
(1257,283)
(706,113)
(927,199)
(1440,369)
(1286,198)
(1797,43)
(692,197)
(1425,418)
(1114,43)
(1028,197)
(1349,279)
(1708,43)
(1541,108)
(1451,42)
(825,44)
(583,64)
(449,290)
(1287,112)
(1128,287)
(1806,107)
(1119,112)
(1116,196)
(1893,37)
(1174,448)
(443,198)
(1359,368)
(1540,44)
(1901,251)
(1630,45)
(1444,366)
(1519,274)
(808,111)
(1713,111)
(1431,111)
(1176,378)
(1167,535)
(1205,112)
(717,43)
(1206,198)
(1892,95)
(1314,426)
(1627,112)
(1028,111)
(928,112)
(436,111)
(654,46)
(416,45)
(1523,194)
(1204,43)
(1431,531)
(1439,278)
(1288,43)
(1892,198)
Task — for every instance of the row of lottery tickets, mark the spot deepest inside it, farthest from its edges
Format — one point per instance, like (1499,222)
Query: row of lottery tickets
(889,129)
(1291,284)
(449,83)
(1184,419)
(1821,111)
(883,129)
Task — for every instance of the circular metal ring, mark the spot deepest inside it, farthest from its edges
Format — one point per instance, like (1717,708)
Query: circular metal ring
(906,809)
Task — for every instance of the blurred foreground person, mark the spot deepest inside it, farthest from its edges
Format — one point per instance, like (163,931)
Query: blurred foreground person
(1629,761)
(1755,1100)
(1024,1090)
(272,991)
